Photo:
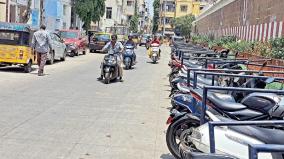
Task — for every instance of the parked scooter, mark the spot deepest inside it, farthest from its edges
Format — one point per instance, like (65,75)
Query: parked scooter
(129,57)
(231,141)
(254,106)
(110,67)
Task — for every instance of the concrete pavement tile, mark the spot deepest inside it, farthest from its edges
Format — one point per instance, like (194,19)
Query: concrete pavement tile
(28,149)
(88,151)
(129,153)
(133,136)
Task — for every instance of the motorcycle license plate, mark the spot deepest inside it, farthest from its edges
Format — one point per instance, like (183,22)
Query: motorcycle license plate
(155,49)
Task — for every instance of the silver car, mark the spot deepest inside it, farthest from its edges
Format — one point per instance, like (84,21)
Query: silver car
(58,49)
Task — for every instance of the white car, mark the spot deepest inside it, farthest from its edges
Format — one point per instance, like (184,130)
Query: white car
(58,49)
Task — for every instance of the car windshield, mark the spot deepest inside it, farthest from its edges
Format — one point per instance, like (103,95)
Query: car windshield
(102,37)
(14,38)
(68,35)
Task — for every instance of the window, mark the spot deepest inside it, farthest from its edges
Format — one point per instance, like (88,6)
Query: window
(64,9)
(129,3)
(108,12)
(168,20)
(183,8)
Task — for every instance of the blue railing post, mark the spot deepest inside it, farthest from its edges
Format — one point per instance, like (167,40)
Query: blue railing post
(182,55)
(252,152)
(194,80)
(203,107)
(188,77)
(212,137)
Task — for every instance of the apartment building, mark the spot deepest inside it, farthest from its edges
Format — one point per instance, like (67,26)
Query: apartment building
(170,9)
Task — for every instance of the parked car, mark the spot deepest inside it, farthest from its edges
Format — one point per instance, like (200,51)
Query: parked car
(15,46)
(58,51)
(144,39)
(98,41)
(75,41)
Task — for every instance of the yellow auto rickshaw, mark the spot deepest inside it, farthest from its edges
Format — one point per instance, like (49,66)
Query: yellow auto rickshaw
(15,46)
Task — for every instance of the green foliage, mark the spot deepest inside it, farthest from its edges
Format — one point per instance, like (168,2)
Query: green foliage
(134,20)
(156,6)
(184,24)
(134,24)
(272,49)
(90,11)
(277,48)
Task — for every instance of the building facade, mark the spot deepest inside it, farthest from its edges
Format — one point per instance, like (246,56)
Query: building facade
(3,5)
(171,9)
(251,20)
(55,13)
(113,15)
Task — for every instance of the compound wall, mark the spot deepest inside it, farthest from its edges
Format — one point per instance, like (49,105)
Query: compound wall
(249,20)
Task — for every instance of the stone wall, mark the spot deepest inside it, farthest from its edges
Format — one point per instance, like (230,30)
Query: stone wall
(247,19)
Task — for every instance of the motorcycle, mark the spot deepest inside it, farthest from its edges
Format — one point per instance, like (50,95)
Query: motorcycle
(110,67)
(230,140)
(237,106)
(155,52)
(128,57)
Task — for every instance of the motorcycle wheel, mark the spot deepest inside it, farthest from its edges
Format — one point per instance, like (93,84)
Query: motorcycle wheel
(174,131)
(107,78)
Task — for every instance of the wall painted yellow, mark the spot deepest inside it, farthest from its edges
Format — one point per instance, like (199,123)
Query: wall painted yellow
(2,10)
(192,6)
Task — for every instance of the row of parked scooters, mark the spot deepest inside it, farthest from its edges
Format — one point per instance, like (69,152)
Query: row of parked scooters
(222,110)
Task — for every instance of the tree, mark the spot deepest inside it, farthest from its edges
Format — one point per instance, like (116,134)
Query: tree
(184,25)
(27,13)
(134,19)
(89,11)
(156,6)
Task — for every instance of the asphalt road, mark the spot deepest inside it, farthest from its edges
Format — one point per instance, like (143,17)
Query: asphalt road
(68,114)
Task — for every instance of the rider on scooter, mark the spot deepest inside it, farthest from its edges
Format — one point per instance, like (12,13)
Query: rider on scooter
(155,41)
(131,42)
(118,48)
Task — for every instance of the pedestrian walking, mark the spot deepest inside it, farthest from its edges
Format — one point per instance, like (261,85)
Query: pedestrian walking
(41,42)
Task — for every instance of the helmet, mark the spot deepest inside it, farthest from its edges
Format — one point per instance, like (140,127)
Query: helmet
(130,37)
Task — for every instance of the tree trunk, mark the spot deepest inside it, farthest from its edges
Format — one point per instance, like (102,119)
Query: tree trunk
(27,13)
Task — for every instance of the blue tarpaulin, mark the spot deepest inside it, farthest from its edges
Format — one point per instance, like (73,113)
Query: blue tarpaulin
(14,26)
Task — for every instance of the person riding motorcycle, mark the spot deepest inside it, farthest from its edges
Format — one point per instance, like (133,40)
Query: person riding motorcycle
(131,42)
(155,41)
(118,48)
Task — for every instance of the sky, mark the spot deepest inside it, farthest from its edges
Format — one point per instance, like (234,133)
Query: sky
(150,2)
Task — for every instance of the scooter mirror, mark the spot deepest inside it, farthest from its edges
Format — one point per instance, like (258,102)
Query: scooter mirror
(269,80)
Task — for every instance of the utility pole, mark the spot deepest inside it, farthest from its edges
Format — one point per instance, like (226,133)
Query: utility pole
(164,21)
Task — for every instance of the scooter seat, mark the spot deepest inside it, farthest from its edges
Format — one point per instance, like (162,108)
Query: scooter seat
(200,79)
(220,99)
(266,135)
(225,102)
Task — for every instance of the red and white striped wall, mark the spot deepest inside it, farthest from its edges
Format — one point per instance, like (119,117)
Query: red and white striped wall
(260,32)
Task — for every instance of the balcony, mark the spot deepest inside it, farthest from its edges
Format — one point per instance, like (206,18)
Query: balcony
(167,14)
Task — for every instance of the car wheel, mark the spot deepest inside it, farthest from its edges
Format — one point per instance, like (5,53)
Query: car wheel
(28,67)
(77,53)
(84,52)
(51,61)
(63,58)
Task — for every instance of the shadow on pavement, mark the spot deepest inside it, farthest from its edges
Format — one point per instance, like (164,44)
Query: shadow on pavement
(14,69)
(166,156)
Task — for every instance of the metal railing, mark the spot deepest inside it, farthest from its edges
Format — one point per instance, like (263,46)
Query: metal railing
(253,149)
